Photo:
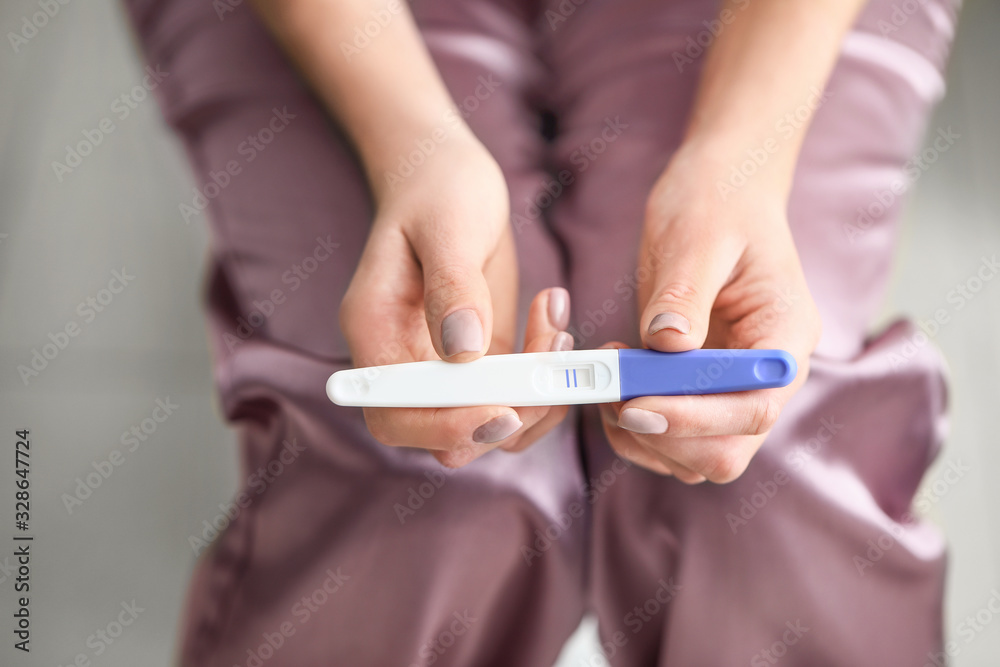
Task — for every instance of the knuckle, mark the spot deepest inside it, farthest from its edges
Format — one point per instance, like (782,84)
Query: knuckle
(629,450)
(352,315)
(455,459)
(454,437)
(449,433)
(625,448)
(678,292)
(444,284)
(727,466)
(379,427)
(764,415)
(689,478)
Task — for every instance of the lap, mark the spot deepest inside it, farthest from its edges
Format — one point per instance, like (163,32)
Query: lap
(289,225)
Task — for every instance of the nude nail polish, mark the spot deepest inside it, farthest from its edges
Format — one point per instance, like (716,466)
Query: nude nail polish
(638,420)
(559,307)
(497,429)
(461,332)
(562,342)
(674,321)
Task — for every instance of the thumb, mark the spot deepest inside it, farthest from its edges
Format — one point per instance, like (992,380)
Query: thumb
(457,301)
(684,289)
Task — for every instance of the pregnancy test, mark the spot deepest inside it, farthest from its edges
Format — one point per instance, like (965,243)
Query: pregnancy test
(560,378)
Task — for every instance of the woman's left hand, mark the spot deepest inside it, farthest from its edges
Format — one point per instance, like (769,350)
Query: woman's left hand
(728,277)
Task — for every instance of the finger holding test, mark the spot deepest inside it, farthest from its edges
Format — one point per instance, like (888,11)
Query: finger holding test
(737,413)
(457,300)
(641,450)
(677,314)
(456,436)
(459,435)
(637,449)
(548,316)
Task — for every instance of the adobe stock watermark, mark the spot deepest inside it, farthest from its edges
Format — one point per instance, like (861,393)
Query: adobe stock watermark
(625,289)
(635,620)
(121,108)
(225,7)
(365,34)
(452,119)
(700,42)
(582,157)
(958,297)
(882,201)
(7,570)
(593,489)
(87,311)
(930,496)
(795,461)
(791,636)
(301,612)
(901,14)
(432,650)
(785,128)
(293,277)
(707,376)
(390,352)
(247,151)
(967,629)
(35,22)
(784,301)
(419,495)
(561,13)
(258,481)
(130,440)
(103,638)
(643,614)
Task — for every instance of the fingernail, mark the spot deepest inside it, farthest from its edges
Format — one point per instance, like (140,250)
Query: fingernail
(461,332)
(638,420)
(497,429)
(563,342)
(559,307)
(673,321)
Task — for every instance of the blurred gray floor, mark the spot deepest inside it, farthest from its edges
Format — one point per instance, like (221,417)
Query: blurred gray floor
(129,540)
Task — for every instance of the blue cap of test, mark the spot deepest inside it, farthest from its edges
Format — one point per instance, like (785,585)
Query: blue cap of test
(651,373)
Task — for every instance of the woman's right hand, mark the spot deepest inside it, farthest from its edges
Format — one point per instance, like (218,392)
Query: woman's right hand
(438,279)
(438,276)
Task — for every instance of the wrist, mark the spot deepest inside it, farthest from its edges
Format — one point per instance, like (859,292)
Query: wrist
(735,168)
(391,157)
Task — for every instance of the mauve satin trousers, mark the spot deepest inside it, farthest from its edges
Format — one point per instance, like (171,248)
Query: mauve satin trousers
(341,551)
